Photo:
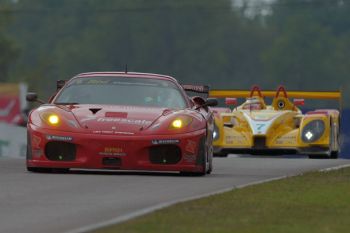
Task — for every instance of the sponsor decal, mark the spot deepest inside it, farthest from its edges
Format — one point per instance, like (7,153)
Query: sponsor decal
(116,114)
(124,133)
(286,140)
(189,158)
(36,141)
(165,141)
(113,151)
(125,121)
(191,147)
(112,132)
(107,132)
(235,139)
(59,138)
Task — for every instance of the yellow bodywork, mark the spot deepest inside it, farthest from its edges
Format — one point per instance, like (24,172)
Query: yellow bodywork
(276,128)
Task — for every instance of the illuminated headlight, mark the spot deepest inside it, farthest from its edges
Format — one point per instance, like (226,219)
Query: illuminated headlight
(50,118)
(309,135)
(177,123)
(53,119)
(313,131)
(215,132)
(180,122)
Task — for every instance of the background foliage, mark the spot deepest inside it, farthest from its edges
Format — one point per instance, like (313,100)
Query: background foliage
(304,44)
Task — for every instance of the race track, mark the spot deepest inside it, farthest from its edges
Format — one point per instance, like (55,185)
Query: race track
(40,203)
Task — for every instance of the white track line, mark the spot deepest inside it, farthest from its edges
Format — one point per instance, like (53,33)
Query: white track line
(151,209)
(334,168)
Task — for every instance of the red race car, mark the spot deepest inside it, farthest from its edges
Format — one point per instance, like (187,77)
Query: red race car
(121,120)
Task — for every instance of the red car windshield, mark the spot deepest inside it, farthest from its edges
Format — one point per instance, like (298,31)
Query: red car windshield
(122,91)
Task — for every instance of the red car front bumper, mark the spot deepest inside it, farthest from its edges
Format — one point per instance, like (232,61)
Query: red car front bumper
(57,149)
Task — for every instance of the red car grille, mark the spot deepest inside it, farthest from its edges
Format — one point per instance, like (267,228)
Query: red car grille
(165,154)
(60,151)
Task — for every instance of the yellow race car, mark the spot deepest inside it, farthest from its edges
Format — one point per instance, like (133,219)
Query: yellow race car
(280,128)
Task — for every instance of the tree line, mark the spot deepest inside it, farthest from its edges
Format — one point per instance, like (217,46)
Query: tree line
(303,44)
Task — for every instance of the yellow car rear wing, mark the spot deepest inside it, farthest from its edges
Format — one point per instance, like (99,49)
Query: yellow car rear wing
(330,95)
(336,95)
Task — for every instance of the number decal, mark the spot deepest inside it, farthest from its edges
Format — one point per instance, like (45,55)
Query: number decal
(260,126)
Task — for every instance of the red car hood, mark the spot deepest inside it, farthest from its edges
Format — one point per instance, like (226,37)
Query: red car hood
(116,119)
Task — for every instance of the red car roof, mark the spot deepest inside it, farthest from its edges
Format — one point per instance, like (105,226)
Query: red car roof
(128,74)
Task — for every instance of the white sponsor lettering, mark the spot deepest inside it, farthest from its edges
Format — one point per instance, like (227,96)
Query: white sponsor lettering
(165,141)
(125,121)
(59,138)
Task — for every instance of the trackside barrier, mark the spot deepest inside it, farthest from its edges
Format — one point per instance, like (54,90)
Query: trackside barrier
(13,141)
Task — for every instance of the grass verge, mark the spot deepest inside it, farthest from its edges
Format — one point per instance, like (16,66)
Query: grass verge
(314,202)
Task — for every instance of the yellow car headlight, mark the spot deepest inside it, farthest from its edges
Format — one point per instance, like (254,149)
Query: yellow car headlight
(313,131)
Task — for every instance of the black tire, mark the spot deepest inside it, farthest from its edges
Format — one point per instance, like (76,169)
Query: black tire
(29,148)
(210,158)
(210,168)
(47,170)
(334,155)
(191,174)
(203,153)
(39,169)
(60,170)
(202,159)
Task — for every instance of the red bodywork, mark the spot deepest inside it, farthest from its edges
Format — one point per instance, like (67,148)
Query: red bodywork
(121,137)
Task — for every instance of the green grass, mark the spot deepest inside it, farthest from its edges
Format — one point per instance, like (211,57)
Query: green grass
(314,202)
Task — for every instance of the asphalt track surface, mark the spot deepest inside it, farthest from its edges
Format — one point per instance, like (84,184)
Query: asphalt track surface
(40,203)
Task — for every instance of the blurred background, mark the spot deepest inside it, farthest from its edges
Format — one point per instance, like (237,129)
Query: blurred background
(302,44)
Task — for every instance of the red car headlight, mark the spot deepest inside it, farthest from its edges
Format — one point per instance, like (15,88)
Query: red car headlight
(51,119)
(56,120)
(180,122)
